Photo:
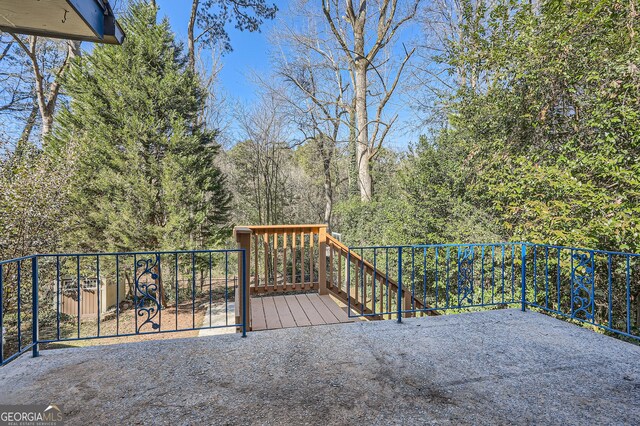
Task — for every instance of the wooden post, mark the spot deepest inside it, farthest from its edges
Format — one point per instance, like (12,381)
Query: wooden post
(407,302)
(243,238)
(322,264)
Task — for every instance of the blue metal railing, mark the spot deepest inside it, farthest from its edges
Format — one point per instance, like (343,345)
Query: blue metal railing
(54,298)
(583,285)
(595,287)
(438,277)
(78,296)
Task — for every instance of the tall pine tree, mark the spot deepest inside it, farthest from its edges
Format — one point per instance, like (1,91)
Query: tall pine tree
(146,176)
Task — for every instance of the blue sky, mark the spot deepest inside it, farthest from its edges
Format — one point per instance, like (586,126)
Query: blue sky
(250,49)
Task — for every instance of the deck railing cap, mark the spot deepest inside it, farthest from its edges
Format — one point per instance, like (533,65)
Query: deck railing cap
(241,230)
(311,225)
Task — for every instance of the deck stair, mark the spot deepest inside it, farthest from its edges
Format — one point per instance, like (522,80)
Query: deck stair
(294,260)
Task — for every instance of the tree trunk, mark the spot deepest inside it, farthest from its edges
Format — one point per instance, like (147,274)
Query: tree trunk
(191,42)
(353,156)
(362,119)
(31,121)
(362,115)
(47,101)
(328,186)
(130,289)
(47,122)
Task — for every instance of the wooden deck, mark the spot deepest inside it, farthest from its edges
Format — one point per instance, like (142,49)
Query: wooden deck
(299,310)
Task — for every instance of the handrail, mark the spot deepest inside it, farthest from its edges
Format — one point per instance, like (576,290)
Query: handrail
(355,259)
(267,228)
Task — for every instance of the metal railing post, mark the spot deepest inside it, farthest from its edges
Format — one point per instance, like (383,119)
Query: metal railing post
(399,284)
(523,257)
(34,305)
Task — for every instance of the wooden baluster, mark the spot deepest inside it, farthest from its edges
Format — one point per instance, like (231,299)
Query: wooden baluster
(311,257)
(370,291)
(381,285)
(367,288)
(265,238)
(357,286)
(294,255)
(331,266)
(363,286)
(322,261)
(275,261)
(302,282)
(340,270)
(284,260)
(394,302)
(373,290)
(407,301)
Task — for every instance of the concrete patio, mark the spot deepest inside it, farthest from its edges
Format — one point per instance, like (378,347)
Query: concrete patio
(496,367)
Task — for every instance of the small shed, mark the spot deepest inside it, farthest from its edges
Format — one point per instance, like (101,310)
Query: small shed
(104,294)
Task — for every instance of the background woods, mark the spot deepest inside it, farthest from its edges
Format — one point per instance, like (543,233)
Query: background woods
(392,122)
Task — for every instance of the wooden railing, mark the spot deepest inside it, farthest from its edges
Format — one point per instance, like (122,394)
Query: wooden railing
(287,258)
(364,282)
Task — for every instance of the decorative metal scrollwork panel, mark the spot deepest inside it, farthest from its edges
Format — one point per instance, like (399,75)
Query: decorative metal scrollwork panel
(582,286)
(465,274)
(146,292)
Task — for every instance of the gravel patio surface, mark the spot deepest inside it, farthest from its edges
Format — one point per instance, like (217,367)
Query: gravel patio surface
(495,367)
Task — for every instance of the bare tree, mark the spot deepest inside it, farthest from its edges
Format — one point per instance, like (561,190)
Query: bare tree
(314,86)
(260,161)
(18,106)
(450,29)
(364,30)
(48,60)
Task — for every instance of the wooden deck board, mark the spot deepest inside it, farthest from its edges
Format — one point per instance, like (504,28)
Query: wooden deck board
(258,320)
(300,310)
(271,313)
(286,317)
(296,310)
(311,312)
(340,314)
(322,309)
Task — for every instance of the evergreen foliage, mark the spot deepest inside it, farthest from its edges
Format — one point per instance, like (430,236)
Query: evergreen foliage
(542,138)
(146,176)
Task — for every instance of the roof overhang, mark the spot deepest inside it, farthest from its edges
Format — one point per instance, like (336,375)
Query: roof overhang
(88,20)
